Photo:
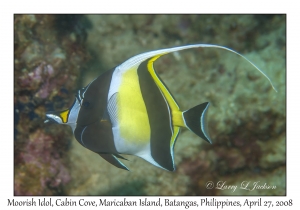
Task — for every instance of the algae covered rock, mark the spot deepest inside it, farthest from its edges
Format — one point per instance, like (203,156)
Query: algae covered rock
(47,64)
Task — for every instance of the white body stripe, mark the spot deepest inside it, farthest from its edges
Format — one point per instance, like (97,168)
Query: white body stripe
(115,83)
(73,115)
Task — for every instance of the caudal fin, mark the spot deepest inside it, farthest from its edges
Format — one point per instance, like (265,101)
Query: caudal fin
(194,120)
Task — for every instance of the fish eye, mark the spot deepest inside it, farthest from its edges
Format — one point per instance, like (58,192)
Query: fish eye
(86,104)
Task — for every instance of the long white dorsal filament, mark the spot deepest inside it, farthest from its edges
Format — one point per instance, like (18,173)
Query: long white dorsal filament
(228,49)
(138,59)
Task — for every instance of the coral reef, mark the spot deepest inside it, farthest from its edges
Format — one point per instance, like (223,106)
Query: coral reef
(47,63)
(41,170)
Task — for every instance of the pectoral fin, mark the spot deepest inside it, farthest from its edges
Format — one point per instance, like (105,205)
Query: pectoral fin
(97,137)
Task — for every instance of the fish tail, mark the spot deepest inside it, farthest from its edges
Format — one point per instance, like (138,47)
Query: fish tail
(195,120)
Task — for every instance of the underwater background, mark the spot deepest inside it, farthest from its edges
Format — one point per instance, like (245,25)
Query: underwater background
(54,55)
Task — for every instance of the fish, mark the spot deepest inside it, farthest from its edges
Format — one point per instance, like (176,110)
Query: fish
(129,110)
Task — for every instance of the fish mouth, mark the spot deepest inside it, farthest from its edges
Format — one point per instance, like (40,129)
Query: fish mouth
(49,120)
(53,118)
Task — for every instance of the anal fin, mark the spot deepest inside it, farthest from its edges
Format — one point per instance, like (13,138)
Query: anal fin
(112,159)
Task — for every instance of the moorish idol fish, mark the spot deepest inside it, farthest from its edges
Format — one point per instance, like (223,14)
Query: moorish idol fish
(129,110)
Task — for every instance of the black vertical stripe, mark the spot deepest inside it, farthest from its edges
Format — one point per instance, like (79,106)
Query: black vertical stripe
(96,134)
(158,114)
(95,100)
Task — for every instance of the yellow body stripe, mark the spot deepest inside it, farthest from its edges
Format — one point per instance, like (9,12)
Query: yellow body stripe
(132,113)
(176,112)
(64,115)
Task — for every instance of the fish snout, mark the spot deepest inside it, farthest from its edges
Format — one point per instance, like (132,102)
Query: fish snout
(53,117)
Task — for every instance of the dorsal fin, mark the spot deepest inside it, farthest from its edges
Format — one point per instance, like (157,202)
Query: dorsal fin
(138,59)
